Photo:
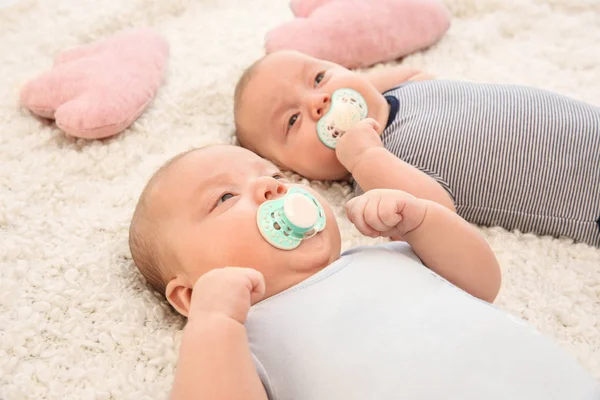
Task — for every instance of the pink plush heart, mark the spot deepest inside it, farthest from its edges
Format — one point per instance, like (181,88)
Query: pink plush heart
(98,90)
(303,8)
(361,33)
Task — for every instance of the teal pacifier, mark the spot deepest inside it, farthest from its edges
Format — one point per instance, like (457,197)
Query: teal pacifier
(286,221)
(347,108)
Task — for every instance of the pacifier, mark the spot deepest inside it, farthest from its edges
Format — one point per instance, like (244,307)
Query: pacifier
(347,108)
(287,221)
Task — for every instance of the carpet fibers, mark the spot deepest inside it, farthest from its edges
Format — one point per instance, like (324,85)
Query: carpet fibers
(76,319)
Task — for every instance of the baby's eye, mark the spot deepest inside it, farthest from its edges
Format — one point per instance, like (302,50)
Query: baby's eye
(224,198)
(278,176)
(292,120)
(319,78)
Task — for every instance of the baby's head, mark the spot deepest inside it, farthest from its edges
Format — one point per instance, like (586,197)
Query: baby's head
(279,101)
(199,212)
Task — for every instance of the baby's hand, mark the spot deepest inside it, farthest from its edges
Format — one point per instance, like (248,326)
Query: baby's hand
(386,212)
(355,143)
(227,291)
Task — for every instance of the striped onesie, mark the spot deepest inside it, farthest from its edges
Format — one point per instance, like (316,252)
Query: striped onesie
(510,156)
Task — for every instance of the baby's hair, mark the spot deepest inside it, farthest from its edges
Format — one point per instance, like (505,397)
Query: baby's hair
(144,235)
(240,88)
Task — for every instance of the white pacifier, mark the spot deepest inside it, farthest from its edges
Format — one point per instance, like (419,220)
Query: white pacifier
(286,221)
(348,108)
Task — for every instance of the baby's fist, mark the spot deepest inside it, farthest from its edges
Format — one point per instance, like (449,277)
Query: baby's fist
(386,212)
(227,291)
(355,143)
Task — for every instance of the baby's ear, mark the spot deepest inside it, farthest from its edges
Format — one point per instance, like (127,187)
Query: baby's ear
(179,294)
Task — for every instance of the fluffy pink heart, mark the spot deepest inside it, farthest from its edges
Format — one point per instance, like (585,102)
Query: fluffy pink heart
(98,90)
(360,33)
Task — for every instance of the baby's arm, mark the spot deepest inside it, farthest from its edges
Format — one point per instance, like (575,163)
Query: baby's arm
(444,242)
(374,167)
(214,358)
(385,79)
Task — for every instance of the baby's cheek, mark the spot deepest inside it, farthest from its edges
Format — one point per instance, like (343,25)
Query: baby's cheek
(247,247)
(307,156)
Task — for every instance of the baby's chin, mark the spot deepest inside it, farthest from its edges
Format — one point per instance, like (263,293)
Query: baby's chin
(317,164)
(330,170)
(317,252)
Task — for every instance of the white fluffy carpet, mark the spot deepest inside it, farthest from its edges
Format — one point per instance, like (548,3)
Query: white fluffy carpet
(76,320)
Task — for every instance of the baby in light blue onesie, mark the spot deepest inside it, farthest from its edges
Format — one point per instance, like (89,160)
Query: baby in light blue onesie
(377,324)
(275,312)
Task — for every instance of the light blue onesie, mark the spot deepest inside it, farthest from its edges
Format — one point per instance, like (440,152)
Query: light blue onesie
(377,324)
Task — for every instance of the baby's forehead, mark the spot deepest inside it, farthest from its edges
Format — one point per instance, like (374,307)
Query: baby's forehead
(196,170)
(272,80)
(224,157)
(284,64)
(277,59)
(219,160)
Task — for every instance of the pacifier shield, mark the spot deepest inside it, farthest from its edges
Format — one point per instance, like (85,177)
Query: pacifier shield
(348,108)
(286,221)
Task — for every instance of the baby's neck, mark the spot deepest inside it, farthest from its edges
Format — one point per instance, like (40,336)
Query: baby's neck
(287,278)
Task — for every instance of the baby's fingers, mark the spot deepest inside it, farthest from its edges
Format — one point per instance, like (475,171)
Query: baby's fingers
(355,211)
(390,211)
(349,208)
(355,206)
(372,218)
(257,282)
(371,123)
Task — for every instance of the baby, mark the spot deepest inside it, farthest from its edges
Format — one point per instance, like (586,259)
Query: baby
(500,155)
(275,312)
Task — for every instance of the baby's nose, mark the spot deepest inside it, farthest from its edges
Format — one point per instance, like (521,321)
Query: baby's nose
(268,188)
(319,105)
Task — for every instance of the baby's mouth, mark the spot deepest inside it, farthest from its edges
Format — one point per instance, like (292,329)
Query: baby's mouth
(287,221)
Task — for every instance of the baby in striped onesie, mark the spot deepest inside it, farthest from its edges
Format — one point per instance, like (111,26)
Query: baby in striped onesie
(499,155)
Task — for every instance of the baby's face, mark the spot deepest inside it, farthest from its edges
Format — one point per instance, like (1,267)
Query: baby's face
(209,201)
(285,98)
